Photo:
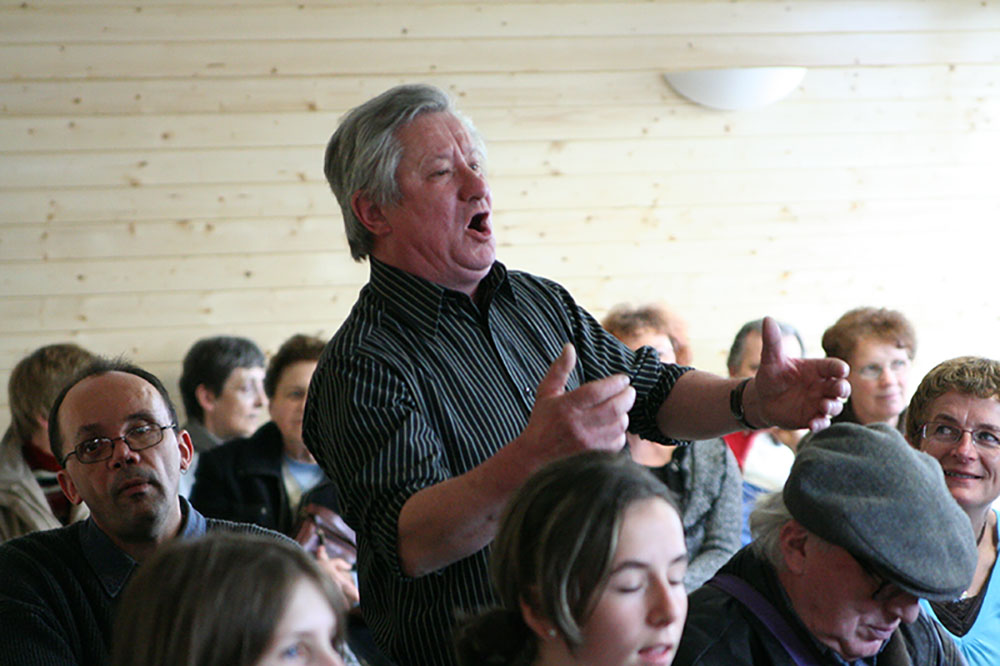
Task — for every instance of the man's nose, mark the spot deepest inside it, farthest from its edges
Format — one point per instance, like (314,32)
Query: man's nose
(474,184)
(904,606)
(122,454)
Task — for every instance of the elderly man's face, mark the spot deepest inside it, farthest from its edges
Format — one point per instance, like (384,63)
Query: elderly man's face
(441,229)
(133,494)
(833,596)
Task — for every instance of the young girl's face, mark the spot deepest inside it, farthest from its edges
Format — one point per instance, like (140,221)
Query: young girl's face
(640,612)
(306,632)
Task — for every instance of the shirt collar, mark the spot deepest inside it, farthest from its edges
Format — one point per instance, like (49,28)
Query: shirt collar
(421,302)
(114,566)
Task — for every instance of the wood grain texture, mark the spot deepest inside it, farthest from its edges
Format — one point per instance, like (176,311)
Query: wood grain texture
(160,162)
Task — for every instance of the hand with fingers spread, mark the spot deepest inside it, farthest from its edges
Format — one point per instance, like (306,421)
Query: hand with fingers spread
(794,392)
(593,416)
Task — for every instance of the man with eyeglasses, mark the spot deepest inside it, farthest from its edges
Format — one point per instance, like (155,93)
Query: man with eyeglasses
(862,530)
(114,431)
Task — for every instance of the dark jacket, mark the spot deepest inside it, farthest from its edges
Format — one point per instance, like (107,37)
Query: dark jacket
(58,590)
(242,481)
(721,631)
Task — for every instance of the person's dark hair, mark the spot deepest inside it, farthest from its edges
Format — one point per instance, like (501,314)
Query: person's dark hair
(213,600)
(556,541)
(36,381)
(889,326)
(210,361)
(102,366)
(364,152)
(757,326)
(296,348)
(968,375)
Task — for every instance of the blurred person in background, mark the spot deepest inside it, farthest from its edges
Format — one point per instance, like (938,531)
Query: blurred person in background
(764,456)
(703,474)
(879,346)
(30,496)
(222,386)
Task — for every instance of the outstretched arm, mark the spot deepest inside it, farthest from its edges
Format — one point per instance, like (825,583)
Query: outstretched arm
(786,392)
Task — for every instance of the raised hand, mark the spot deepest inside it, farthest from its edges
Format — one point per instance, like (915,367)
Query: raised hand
(593,416)
(794,392)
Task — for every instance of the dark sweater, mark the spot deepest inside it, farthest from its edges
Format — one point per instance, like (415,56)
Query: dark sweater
(242,481)
(58,590)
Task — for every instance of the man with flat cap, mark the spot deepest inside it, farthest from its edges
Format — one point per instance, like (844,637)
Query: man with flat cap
(864,528)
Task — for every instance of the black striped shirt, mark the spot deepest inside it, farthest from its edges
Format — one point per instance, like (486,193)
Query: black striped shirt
(419,385)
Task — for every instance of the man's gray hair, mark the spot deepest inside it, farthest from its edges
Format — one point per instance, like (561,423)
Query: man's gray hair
(757,326)
(364,152)
(769,515)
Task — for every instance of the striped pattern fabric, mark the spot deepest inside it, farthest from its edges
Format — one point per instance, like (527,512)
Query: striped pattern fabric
(419,385)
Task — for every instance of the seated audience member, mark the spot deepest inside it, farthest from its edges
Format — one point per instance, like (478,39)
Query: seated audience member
(703,474)
(262,478)
(879,345)
(222,386)
(30,497)
(588,566)
(764,456)
(863,528)
(956,398)
(289,613)
(114,431)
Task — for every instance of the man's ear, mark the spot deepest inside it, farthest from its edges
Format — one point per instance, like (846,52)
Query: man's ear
(68,487)
(369,213)
(205,397)
(186,448)
(793,538)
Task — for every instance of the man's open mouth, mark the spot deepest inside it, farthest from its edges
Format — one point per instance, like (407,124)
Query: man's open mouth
(478,222)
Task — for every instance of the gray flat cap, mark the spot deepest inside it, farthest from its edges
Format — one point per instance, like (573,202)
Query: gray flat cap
(863,488)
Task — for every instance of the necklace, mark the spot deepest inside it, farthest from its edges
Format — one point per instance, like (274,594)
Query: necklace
(979,540)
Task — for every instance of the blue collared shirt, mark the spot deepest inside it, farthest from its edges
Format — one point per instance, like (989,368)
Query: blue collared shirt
(111,564)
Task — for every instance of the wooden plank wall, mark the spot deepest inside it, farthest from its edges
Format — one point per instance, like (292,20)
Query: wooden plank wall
(161,176)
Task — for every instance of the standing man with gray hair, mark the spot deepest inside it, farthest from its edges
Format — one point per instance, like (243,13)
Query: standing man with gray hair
(864,528)
(453,379)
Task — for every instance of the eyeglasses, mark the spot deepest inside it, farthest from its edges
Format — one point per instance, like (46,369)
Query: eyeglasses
(884,590)
(100,448)
(874,370)
(949,434)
